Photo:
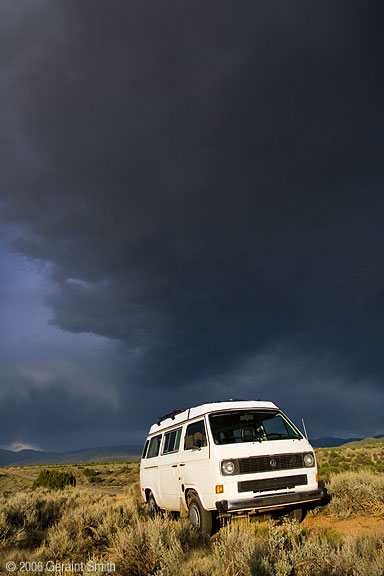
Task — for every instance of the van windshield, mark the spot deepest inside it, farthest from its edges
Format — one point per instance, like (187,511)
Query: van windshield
(251,426)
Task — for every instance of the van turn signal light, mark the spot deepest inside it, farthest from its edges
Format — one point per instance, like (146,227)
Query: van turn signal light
(219,488)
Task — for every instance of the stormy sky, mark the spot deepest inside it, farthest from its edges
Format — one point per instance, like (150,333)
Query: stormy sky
(191,209)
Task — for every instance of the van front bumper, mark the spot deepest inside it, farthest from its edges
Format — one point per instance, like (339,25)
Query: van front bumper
(261,503)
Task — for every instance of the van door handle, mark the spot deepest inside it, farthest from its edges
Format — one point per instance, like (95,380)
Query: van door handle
(181,464)
(174,465)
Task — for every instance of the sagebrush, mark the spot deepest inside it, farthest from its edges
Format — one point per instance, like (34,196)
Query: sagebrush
(77,525)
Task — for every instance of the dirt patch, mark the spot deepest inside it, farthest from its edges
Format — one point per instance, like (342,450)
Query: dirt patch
(20,475)
(357,526)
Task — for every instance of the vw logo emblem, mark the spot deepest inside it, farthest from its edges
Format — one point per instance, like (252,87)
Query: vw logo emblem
(273,463)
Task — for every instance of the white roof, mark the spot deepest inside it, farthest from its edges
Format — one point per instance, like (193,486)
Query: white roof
(208,408)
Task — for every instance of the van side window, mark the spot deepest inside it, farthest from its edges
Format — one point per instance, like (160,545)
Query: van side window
(172,441)
(195,436)
(145,449)
(154,446)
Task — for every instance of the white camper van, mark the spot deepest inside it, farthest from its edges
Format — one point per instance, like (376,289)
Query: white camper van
(228,458)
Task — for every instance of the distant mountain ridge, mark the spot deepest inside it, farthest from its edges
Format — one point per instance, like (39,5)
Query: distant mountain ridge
(37,457)
(329,442)
(125,453)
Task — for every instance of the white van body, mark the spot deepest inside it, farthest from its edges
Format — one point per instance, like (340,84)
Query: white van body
(234,457)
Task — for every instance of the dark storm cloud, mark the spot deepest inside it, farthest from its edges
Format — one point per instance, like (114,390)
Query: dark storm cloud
(204,180)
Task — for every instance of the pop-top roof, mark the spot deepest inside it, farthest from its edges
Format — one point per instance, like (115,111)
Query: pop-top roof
(179,416)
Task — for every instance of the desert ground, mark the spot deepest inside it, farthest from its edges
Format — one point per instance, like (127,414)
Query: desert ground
(101,525)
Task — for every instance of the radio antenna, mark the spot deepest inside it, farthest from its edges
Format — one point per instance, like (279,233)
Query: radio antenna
(304,428)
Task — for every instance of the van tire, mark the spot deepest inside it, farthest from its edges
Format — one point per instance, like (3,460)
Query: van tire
(200,518)
(297,514)
(153,509)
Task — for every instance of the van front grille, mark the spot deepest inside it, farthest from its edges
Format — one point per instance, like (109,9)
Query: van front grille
(272,483)
(269,463)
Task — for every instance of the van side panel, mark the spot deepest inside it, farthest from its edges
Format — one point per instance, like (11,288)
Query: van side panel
(149,467)
(149,478)
(169,483)
(196,468)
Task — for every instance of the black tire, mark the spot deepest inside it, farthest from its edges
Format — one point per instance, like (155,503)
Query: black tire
(297,514)
(153,509)
(200,518)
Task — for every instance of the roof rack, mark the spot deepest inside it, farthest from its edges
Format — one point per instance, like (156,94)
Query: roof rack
(170,415)
(228,400)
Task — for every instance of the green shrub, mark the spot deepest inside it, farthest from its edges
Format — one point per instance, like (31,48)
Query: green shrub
(54,479)
(94,479)
(90,472)
(93,476)
(356,493)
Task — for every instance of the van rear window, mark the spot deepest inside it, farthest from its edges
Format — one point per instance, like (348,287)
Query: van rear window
(145,449)
(154,446)
(172,441)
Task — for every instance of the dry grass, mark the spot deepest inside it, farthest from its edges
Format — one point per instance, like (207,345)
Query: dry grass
(11,484)
(356,493)
(117,475)
(351,458)
(76,525)
(291,550)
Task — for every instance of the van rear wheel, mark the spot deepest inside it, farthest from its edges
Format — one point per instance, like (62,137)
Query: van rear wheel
(153,509)
(200,518)
(297,514)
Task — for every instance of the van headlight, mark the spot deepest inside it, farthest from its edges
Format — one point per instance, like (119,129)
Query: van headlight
(228,467)
(309,460)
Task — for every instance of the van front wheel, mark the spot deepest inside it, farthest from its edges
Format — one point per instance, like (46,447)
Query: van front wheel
(200,518)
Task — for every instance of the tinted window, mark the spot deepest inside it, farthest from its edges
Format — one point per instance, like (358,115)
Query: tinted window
(172,441)
(276,427)
(250,426)
(195,436)
(154,446)
(145,449)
